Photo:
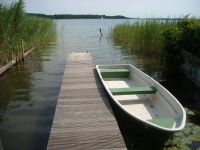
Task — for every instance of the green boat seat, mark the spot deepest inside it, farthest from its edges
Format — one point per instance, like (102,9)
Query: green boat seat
(133,90)
(163,122)
(115,73)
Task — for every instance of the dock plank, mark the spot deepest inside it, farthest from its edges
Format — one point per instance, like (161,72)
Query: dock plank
(83,117)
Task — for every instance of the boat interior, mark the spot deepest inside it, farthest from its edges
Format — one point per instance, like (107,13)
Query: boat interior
(138,98)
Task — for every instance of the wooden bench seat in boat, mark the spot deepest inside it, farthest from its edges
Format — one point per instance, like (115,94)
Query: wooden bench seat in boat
(115,73)
(133,90)
(166,122)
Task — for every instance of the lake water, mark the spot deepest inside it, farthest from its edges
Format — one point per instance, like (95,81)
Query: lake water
(29,92)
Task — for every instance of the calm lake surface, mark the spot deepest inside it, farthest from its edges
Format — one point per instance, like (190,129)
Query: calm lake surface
(29,92)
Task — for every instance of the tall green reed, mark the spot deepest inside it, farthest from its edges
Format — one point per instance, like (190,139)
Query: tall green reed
(142,37)
(19,32)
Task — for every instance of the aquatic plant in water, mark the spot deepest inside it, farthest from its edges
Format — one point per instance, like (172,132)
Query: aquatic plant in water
(160,38)
(188,138)
(19,32)
(142,37)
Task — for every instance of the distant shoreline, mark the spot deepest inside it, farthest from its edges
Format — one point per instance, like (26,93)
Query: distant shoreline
(81,16)
(70,16)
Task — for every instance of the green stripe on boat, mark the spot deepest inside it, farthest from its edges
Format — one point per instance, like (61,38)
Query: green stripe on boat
(163,122)
(115,73)
(133,90)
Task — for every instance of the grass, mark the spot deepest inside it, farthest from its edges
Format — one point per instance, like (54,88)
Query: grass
(142,37)
(160,38)
(19,32)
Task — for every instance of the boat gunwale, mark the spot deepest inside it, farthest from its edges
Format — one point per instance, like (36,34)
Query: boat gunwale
(183,117)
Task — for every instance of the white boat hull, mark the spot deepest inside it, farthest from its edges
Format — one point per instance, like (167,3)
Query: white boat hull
(156,111)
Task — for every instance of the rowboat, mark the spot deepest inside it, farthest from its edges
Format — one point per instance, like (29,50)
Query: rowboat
(146,102)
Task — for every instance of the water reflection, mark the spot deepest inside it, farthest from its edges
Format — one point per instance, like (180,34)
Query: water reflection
(14,88)
(27,100)
(14,96)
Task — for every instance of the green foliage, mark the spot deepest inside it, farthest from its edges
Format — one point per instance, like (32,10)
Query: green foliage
(190,35)
(19,31)
(171,48)
(144,37)
(160,38)
(186,35)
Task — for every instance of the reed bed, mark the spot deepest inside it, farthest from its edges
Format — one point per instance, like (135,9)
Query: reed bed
(19,32)
(142,37)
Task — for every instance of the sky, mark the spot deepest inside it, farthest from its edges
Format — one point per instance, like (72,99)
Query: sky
(129,8)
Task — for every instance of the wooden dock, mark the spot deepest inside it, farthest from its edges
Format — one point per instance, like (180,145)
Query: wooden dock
(83,118)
